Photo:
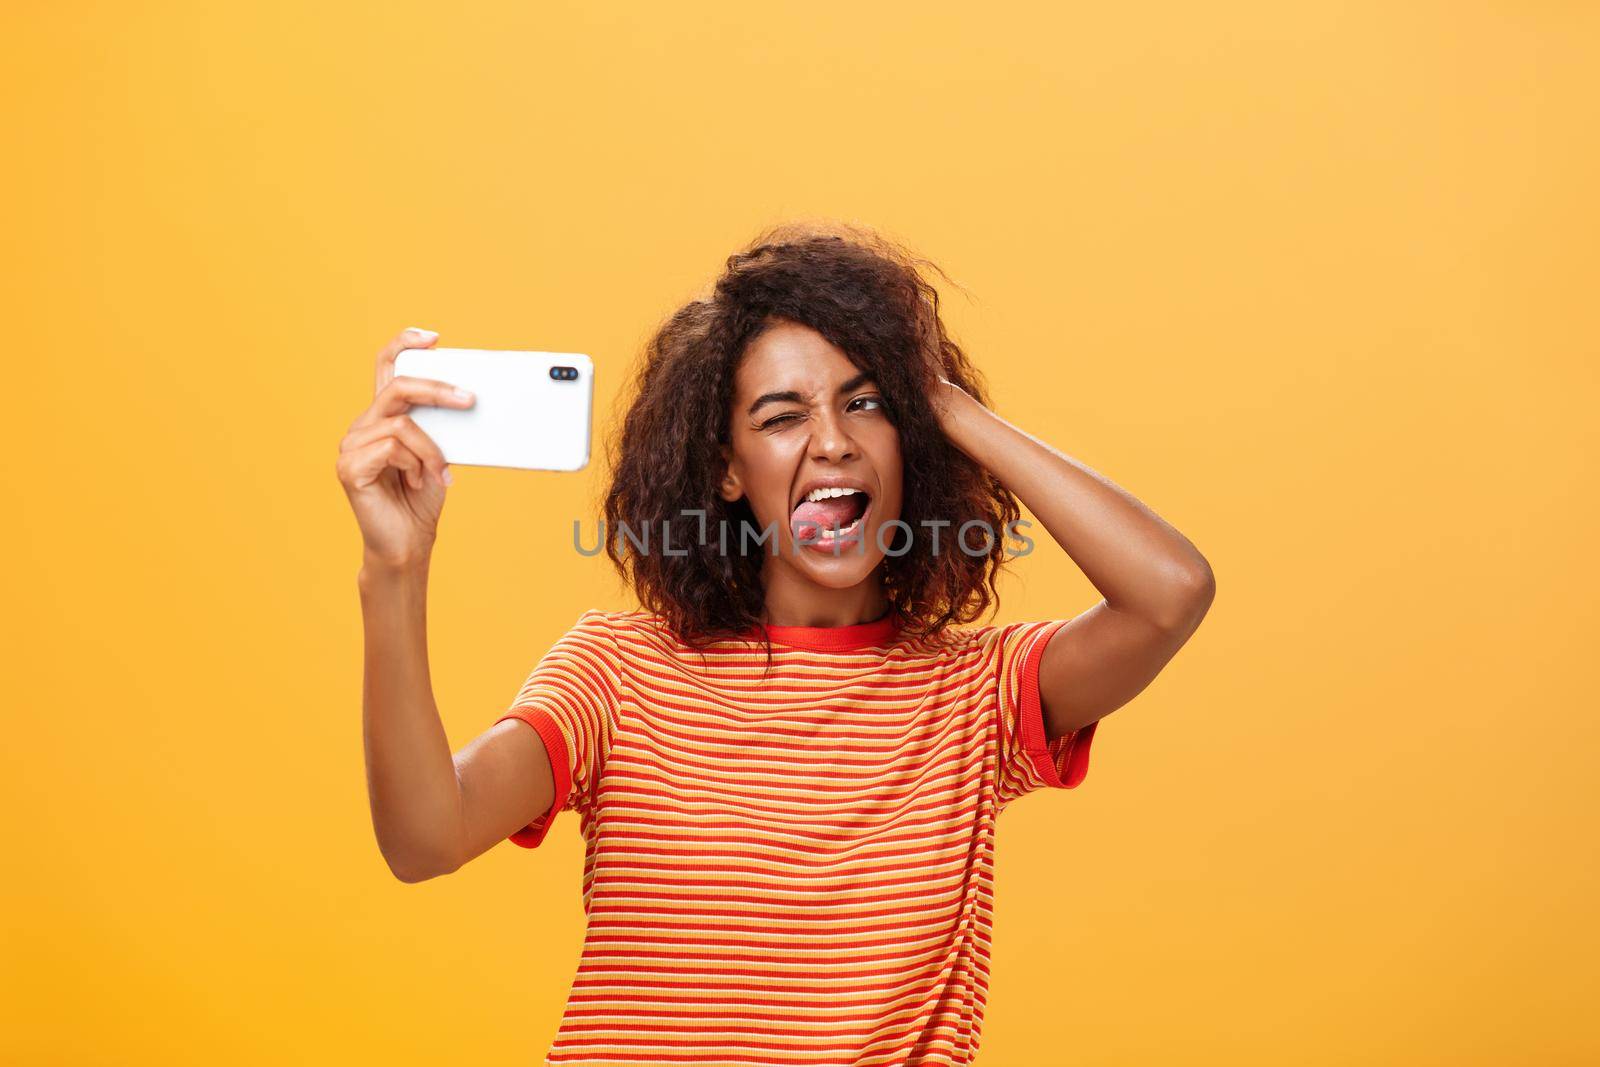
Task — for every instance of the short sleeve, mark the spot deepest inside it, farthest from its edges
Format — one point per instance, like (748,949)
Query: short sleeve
(1029,759)
(571,699)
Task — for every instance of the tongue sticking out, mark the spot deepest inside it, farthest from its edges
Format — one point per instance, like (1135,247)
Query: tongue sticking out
(811,518)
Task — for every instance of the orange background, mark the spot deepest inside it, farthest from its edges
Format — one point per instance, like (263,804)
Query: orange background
(1314,281)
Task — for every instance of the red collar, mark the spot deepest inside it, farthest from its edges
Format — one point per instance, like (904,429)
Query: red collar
(831,638)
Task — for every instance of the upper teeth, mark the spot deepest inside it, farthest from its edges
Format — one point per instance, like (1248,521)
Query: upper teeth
(823,494)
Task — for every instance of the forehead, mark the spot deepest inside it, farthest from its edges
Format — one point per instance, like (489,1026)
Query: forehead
(791,356)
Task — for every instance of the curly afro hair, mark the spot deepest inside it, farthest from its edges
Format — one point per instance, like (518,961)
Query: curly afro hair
(868,297)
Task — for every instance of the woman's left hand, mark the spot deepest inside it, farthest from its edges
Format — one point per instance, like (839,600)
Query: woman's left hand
(948,398)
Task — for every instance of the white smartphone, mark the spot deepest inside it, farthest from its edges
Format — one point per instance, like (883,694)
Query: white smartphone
(531,410)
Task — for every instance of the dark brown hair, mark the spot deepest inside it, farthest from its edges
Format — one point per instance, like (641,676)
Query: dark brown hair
(867,296)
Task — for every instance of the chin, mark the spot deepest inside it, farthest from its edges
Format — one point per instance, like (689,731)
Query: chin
(852,566)
(846,571)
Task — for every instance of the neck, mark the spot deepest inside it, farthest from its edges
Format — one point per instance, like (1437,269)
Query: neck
(795,601)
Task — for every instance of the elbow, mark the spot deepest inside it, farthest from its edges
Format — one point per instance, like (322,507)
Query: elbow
(412,868)
(1194,592)
(411,875)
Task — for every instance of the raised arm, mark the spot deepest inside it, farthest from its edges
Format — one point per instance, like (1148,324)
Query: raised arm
(1156,586)
(431,811)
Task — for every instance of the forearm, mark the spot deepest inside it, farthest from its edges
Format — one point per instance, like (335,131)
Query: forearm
(1137,561)
(411,775)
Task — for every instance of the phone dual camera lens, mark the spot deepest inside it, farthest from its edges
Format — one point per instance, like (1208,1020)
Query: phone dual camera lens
(564,374)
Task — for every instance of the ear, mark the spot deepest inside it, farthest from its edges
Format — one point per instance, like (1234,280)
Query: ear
(731,488)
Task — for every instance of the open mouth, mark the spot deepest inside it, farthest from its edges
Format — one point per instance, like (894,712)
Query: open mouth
(827,517)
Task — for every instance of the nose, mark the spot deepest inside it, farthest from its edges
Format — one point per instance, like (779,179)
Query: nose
(831,441)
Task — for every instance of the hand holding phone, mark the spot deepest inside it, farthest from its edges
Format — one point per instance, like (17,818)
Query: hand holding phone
(392,472)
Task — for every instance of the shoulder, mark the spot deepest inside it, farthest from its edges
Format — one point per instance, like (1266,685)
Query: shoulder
(644,629)
(601,619)
(953,643)
(995,643)
(623,629)
(611,624)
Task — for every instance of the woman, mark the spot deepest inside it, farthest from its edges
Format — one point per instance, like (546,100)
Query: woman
(788,765)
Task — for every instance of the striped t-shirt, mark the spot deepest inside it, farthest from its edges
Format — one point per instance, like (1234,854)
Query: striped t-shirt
(794,867)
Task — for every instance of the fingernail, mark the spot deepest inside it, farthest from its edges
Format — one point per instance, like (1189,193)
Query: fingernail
(462,394)
(419,334)
(447,478)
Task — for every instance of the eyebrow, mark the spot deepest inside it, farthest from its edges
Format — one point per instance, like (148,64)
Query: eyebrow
(790,396)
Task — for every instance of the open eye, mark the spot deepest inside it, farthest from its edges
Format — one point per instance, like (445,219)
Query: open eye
(869,402)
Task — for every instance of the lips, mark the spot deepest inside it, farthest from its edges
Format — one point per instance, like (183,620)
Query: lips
(833,518)
(830,485)
(840,511)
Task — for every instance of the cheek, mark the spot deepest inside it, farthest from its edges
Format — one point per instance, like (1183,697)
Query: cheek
(769,470)
(890,469)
